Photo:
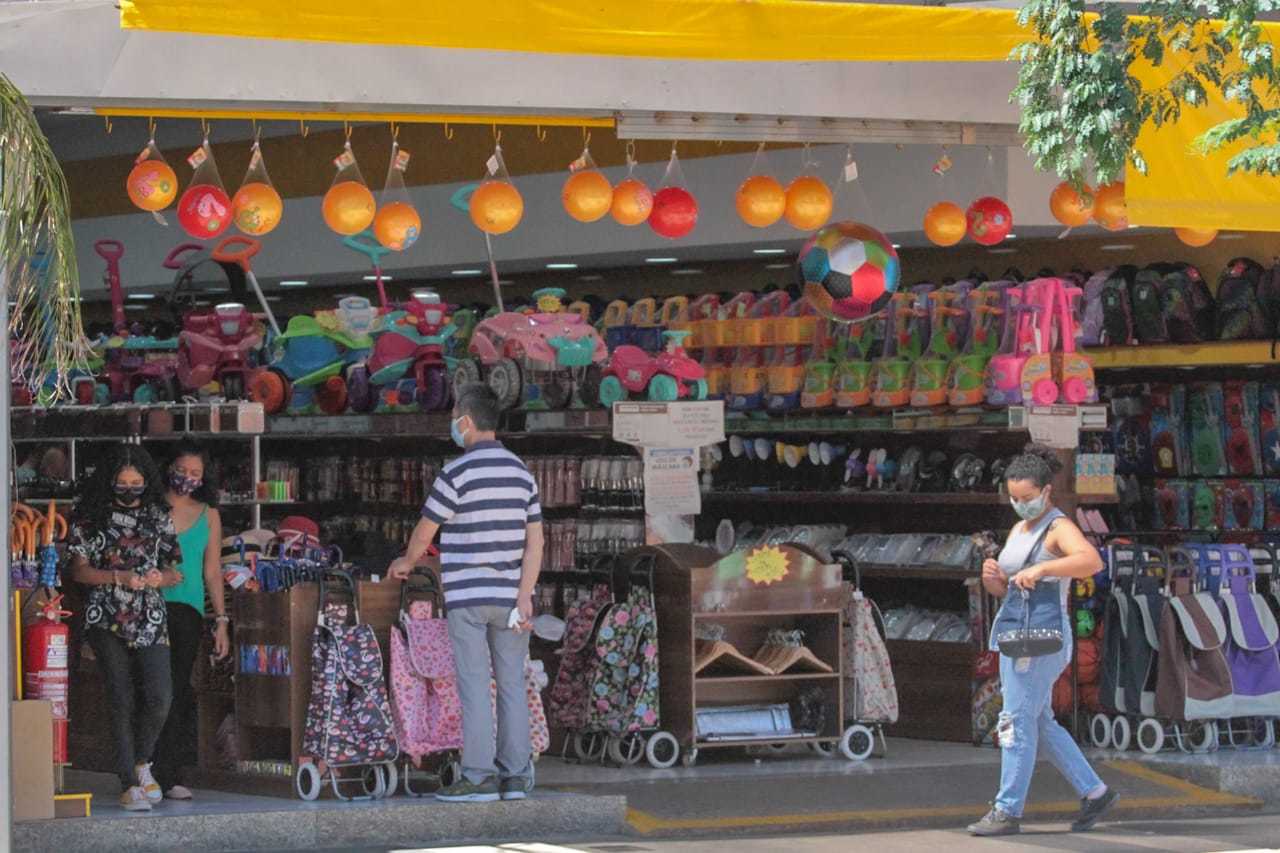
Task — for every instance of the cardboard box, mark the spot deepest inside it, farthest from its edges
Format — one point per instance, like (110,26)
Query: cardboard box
(31,746)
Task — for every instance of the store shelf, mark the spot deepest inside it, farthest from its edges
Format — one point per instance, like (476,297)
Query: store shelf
(1157,356)
(928,572)
(703,681)
(939,498)
(1098,499)
(760,614)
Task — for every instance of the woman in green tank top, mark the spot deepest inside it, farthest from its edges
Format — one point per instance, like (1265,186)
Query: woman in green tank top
(192,500)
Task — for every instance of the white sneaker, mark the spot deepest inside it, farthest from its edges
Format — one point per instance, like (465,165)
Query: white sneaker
(135,800)
(178,792)
(148,783)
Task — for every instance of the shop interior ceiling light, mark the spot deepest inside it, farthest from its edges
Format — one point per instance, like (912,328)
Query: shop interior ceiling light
(142,296)
(295,282)
(745,128)
(466,272)
(385,277)
(661,260)
(769,251)
(562,266)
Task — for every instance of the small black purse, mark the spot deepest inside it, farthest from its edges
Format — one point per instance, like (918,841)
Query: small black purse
(1028,642)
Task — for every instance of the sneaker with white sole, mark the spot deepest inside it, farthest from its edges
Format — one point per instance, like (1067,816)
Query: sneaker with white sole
(150,788)
(178,792)
(135,800)
(515,787)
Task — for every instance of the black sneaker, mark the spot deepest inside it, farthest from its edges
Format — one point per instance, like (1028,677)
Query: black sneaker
(995,823)
(466,791)
(1091,811)
(515,787)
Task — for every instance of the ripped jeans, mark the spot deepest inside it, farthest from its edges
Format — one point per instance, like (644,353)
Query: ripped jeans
(1027,723)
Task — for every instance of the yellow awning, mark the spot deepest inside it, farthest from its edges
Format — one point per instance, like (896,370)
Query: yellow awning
(759,30)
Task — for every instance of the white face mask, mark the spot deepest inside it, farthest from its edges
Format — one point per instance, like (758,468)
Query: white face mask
(1034,508)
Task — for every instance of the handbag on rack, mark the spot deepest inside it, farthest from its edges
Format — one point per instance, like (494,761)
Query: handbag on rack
(1026,641)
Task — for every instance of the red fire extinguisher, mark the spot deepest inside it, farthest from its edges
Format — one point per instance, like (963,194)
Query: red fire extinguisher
(45,644)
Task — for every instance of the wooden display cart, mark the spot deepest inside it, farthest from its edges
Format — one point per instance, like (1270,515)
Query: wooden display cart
(748,594)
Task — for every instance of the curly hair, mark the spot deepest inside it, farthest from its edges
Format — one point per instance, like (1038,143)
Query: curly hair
(208,492)
(97,497)
(1036,463)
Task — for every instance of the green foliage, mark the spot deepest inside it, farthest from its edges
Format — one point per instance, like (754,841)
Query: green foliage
(1082,108)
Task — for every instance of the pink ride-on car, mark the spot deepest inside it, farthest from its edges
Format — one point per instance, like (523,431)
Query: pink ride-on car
(538,358)
(669,375)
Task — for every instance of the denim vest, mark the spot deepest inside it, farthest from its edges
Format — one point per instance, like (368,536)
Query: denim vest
(1046,599)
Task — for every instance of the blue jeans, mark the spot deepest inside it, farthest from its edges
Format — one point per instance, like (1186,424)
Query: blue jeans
(1026,723)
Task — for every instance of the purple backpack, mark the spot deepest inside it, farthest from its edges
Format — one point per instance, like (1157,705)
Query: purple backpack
(1091,321)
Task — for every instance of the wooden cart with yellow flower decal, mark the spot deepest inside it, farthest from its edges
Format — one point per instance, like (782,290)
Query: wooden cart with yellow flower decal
(752,650)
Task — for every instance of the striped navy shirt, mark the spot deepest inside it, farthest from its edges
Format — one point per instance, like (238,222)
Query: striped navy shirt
(483,502)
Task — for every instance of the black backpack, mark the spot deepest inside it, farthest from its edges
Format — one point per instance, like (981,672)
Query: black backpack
(1186,303)
(1117,310)
(1146,296)
(1239,314)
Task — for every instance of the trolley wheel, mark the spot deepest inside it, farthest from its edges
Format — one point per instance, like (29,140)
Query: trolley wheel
(1100,730)
(857,742)
(1121,733)
(1150,736)
(689,758)
(823,749)
(392,774)
(307,781)
(374,782)
(1262,731)
(1200,736)
(662,751)
(589,746)
(626,750)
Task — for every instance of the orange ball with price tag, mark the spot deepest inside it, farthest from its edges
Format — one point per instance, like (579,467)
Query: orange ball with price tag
(348,207)
(587,195)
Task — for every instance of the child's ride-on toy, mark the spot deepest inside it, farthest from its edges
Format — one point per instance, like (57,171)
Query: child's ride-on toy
(670,375)
(309,360)
(539,358)
(949,327)
(408,361)
(136,368)
(987,309)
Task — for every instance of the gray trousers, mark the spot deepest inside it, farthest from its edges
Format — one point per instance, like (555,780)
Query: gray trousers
(479,635)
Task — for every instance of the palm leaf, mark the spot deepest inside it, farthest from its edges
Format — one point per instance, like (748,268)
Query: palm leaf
(47,341)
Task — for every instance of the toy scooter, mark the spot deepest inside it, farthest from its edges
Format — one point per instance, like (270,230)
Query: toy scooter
(1055,371)
(965,382)
(1003,379)
(950,328)
(670,375)
(748,377)
(906,331)
(794,337)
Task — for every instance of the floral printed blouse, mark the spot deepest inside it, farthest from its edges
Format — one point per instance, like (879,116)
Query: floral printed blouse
(134,540)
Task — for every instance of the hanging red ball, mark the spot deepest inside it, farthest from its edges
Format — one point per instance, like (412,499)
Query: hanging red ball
(675,212)
(990,220)
(204,211)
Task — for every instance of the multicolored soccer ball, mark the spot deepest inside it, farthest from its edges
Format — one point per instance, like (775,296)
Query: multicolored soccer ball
(848,270)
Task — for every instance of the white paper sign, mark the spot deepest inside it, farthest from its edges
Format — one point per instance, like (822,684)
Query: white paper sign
(671,481)
(1055,426)
(683,424)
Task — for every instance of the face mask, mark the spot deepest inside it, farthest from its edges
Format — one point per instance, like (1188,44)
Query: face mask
(181,484)
(459,437)
(129,494)
(1033,508)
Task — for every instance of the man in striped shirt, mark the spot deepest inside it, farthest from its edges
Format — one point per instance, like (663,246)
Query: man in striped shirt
(485,505)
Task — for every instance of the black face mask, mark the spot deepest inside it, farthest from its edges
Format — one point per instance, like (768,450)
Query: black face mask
(128,495)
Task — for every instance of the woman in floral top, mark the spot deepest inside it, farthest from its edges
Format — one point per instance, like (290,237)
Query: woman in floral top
(123,547)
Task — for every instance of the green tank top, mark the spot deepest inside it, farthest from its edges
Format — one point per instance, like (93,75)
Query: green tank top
(194,542)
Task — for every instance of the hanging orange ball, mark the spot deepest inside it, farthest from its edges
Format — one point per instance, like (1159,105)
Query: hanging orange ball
(257,208)
(809,203)
(1069,207)
(760,201)
(632,202)
(397,225)
(945,223)
(1196,237)
(587,196)
(496,207)
(348,207)
(1109,207)
(152,185)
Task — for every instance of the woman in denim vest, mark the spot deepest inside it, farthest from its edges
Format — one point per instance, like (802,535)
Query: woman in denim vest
(1045,551)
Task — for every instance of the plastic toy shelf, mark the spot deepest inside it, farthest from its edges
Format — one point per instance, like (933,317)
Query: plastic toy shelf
(1156,356)
(955,498)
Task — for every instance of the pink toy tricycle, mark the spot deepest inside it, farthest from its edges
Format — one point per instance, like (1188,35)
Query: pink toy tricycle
(221,345)
(669,375)
(136,367)
(538,358)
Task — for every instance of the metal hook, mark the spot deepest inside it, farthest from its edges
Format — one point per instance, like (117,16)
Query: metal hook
(631,151)
(346,127)
(395,132)
(448,132)
(151,127)
(586,137)
(539,133)
(303,129)
(257,131)
(107,121)
(204,127)
(497,135)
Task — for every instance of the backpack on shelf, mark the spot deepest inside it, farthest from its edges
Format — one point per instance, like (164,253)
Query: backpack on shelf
(1146,299)
(1186,303)
(1115,308)
(1269,299)
(1239,314)
(1091,317)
